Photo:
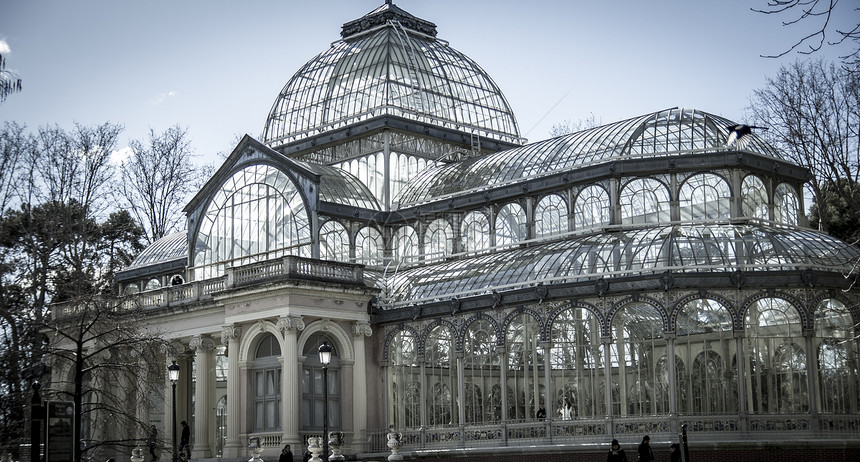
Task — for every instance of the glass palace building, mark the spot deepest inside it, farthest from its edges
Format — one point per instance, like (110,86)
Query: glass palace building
(653,272)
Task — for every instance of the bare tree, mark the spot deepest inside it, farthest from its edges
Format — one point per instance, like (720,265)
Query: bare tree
(568,126)
(99,352)
(157,179)
(821,13)
(10,82)
(813,111)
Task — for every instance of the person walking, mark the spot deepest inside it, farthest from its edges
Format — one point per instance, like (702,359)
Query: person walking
(675,453)
(644,451)
(616,454)
(286,454)
(184,442)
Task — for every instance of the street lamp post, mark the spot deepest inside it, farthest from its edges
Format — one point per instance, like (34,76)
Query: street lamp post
(173,376)
(325,359)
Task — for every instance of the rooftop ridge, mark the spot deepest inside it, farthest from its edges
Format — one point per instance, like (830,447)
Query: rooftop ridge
(386,13)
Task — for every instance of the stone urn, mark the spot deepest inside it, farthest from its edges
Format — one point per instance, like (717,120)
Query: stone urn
(315,447)
(137,454)
(394,444)
(256,447)
(335,442)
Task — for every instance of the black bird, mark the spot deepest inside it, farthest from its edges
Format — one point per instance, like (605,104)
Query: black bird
(737,132)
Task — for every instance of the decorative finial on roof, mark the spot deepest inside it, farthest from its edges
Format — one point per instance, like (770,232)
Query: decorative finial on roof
(386,14)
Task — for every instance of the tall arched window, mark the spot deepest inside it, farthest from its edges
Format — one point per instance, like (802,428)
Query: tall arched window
(404,380)
(754,198)
(837,370)
(704,197)
(267,385)
(370,170)
(475,232)
(576,359)
(312,398)
(481,363)
(637,333)
(403,168)
(704,340)
(510,225)
(441,371)
(644,200)
(334,242)
(438,239)
(369,246)
(785,205)
(525,368)
(776,363)
(592,208)
(257,214)
(551,216)
(406,251)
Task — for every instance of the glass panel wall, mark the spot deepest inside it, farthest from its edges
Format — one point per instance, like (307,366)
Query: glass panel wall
(776,360)
(525,370)
(577,363)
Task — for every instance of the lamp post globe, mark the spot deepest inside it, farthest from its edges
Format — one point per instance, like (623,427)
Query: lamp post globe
(173,376)
(325,359)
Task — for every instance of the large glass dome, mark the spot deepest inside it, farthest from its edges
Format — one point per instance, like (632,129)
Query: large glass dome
(390,63)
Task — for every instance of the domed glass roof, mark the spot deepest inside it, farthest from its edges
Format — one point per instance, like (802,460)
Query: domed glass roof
(389,63)
(171,247)
(717,247)
(669,132)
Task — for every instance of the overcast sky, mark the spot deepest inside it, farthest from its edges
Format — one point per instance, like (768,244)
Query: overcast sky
(217,66)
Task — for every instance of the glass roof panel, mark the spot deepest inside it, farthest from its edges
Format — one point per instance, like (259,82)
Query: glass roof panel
(340,187)
(673,131)
(170,247)
(679,248)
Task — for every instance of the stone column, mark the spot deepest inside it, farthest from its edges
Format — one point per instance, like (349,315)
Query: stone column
(204,348)
(360,330)
(230,336)
(290,374)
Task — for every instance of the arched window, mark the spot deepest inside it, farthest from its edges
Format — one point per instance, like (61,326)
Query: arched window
(644,200)
(510,225)
(637,334)
(837,371)
(334,242)
(754,198)
(312,398)
(153,284)
(703,329)
(592,208)
(438,239)
(525,367)
(481,363)
(576,359)
(257,214)
(551,216)
(776,362)
(785,205)
(440,368)
(406,245)
(404,374)
(369,246)
(475,232)
(267,384)
(704,197)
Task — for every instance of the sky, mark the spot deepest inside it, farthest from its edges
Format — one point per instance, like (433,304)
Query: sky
(217,66)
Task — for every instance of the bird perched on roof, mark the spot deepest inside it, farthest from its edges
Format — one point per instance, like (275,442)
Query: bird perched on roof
(738,132)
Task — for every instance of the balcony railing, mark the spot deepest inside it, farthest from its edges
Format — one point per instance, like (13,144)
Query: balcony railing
(716,428)
(289,267)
